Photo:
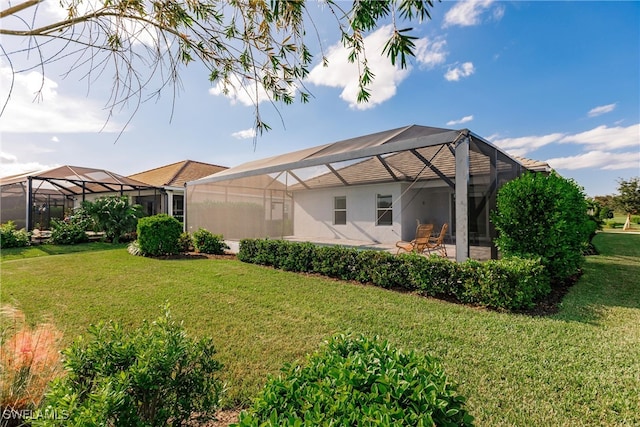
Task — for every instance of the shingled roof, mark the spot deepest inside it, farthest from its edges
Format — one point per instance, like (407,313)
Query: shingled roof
(176,174)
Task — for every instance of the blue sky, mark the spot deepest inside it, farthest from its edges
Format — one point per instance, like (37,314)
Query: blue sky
(551,81)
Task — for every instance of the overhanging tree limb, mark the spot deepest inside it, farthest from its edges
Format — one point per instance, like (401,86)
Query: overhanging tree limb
(255,46)
(17,8)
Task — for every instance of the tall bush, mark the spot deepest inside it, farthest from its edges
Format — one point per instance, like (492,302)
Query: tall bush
(543,217)
(159,235)
(114,215)
(154,375)
(360,381)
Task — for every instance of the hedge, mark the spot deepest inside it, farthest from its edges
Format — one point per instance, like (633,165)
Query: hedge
(510,283)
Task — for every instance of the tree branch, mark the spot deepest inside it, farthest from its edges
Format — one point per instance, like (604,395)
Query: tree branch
(17,8)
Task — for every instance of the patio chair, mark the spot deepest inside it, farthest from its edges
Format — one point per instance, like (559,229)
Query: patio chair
(418,245)
(437,243)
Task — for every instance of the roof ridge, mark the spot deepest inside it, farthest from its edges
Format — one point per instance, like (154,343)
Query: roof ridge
(175,175)
(158,167)
(208,164)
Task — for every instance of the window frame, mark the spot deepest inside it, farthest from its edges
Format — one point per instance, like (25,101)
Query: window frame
(384,212)
(337,210)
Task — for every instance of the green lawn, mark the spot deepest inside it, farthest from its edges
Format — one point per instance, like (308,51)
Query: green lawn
(579,367)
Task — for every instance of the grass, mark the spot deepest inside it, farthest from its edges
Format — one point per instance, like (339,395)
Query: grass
(620,220)
(578,367)
(49,249)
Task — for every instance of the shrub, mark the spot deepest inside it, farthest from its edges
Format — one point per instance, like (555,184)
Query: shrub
(297,256)
(511,283)
(82,218)
(159,235)
(335,261)
(148,376)
(435,276)
(67,233)
(248,250)
(543,217)
(359,381)
(114,215)
(12,238)
(208,243)
(185,242)
(382,269)
(29,360)
(610,223)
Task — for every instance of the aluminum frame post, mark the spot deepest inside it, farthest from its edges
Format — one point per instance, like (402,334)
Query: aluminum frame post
(462,199)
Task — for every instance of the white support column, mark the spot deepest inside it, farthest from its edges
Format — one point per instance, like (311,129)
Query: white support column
(462,199)
(170,202)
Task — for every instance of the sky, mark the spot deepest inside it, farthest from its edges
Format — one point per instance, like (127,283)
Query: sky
(551,81)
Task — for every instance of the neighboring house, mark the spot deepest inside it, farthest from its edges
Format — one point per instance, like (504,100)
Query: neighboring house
(372,188)
(33,199)
(170,179)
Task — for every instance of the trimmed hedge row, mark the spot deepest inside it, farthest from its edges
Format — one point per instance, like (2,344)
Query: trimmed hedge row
(511,283)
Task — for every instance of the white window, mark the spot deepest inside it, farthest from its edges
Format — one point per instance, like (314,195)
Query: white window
(384,211)
(340,210)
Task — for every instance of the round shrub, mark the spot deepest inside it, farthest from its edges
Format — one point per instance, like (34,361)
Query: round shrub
(159,235)
(359,381)
(543,217)
(208,243)
(154,375)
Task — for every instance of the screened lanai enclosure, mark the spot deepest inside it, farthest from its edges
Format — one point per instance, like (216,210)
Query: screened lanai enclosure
(374,188)
(32,200)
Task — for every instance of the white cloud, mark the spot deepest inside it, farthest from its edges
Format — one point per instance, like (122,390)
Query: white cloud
(465,119)
(597,159)
(245,134)
(599,138)
(48,111)
(602,109)
(430,53)
(7,158)
(603,137)
(11,165)
(464,70)
(55,139)
(524,144)
(602,143)
(467,13)
(342,74)
(246,92)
